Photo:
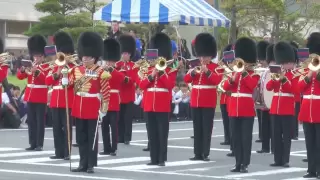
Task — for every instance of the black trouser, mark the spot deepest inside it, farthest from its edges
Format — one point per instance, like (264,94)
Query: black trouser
(125,122)
(312,135)
(36,123)
(266,130)
(231,135)
(259,116)
(242,139)
(282,137)
(158,123)
(60,133)
(202,130)
(226,124)
(296,122)
(85,129)
(184,110)
(110,121)
(145,117)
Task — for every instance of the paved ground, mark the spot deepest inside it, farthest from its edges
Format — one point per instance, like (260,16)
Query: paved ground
(15,163)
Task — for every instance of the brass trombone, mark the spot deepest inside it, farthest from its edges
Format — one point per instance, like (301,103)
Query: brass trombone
(161,64)
(314,65)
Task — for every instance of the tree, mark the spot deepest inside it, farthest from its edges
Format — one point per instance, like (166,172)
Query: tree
(73,16)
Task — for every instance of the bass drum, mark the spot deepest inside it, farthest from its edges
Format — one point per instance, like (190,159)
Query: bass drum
(267,95)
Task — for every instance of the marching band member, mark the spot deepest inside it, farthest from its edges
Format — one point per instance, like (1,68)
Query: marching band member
(36,92)
(64,44)
(297,98)
(264,125)
(282,106)
(224,112)
(203,94)
(158,86)
(111,56)
(241,111)
(310,87)
(127,92)
(3,68)
(91,100)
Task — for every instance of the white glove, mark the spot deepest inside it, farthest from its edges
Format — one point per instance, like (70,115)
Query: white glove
(64,81)
(101,115)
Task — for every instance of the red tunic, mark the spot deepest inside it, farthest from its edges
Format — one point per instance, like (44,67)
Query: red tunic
(128,89)
(3,75)
(86,103)
(158,93)
(58,96)
(204,88)
(36,90)
(283,98)
(115,85)
(241,102)
(309,111)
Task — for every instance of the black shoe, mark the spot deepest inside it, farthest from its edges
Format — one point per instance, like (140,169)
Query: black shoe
(67,158)
(75,145)
(30,148)
(295,138)
(244,169)
(206,158)
(275,164)
(152,164)
(79,169)
(196,158)
(127,142)
(90,170)
(304,160)
(231,154)
(192,137)
(225,143)
(104,153)
(56,157)
(113,153)
(262,151)
(146,149)
(258,141)
(235,169)
(309,175)
(162,164)
(38,148)
(318,176)
(286,165)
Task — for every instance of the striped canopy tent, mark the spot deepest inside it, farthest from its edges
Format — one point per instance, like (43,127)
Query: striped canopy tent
(183,12)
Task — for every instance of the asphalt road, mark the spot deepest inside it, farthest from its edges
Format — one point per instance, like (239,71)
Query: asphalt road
(130,163)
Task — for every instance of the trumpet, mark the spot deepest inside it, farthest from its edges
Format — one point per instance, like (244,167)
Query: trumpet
(197,69)
(161,64)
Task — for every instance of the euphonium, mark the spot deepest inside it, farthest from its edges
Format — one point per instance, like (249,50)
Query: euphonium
(161,64)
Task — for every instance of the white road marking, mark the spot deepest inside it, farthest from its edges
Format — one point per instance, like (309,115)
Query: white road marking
(59,175)
(168,164)
(171,130)
(19,154)
(9,149)
(112,161)
(298,178)
(298,152)
(269,172)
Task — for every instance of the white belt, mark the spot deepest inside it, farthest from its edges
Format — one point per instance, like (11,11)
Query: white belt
(85,94)
(241,95)
(57,87)
(311,96)
(36,86)
(114,91)
(204,87)
(283,94)
(157,90)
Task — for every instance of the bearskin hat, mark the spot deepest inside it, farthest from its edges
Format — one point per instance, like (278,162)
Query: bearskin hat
(246,49)
(205,45)
(270,54)
(90,44)
(162,42)
(262,50)
(1,46)
(127,44)
(284,53)
(63,42)
(313,43)
(36,44)
(111,50)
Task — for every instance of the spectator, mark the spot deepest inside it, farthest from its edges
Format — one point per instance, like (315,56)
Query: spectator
(138,45)
(184,106)
(143,46)
(9,113)
(175,104)
(115,31)
(138,112)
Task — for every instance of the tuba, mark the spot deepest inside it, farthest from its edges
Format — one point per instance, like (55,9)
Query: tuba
(161,64)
